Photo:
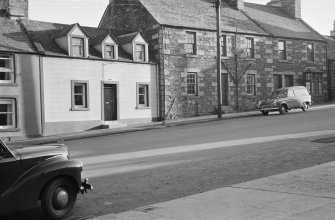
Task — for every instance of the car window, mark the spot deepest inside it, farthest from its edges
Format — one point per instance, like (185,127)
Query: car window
(2,152)
(279,94)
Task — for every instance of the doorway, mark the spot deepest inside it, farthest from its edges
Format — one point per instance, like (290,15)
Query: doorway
(224,88)
(110,102)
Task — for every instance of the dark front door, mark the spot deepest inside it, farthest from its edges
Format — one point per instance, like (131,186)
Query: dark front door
(224,88)
(110,102)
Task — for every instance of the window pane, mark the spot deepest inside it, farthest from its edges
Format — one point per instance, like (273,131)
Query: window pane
(250,47)
(78,47)
(190,45)
(141,100)
(78,89)
(140,54)
(5,62)
(224,45)
(143,95)
(6,68)
(79,95)
(6,113)
(109,51)
(251,84)
(277,81)
(78,100)
(310,52)
(191,83)
(288,80)
(5,76)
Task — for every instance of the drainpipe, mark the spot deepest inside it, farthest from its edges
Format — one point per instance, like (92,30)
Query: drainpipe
(157,92)
(40,60)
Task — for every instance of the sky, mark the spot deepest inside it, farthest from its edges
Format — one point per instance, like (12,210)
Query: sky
(319,14)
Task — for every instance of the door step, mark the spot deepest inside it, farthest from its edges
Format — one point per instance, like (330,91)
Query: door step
(112,124)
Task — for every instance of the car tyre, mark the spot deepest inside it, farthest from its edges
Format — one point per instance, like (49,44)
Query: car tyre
(282,109)
(58,198)
(305,106)
(265,112)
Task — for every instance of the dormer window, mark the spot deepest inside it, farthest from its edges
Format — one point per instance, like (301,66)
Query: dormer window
(109,51)
(140,52)
(78,47)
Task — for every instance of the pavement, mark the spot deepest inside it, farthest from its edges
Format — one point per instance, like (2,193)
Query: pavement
(300,194)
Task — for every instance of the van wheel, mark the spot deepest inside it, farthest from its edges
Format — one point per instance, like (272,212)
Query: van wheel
(305,106)
(265,112)
(282,110)
(58,198)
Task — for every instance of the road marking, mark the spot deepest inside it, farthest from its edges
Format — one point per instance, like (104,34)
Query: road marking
(196,147)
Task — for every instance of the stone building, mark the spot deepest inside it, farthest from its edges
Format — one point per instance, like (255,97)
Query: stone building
(331,63)
(264,47)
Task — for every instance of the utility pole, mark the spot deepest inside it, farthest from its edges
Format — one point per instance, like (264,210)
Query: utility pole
(218,66)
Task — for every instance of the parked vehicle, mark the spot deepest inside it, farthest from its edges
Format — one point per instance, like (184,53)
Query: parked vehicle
(285,99)
(44,173)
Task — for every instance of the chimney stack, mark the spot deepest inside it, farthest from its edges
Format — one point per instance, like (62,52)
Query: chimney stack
(14,9)
(292,7)
(332,32)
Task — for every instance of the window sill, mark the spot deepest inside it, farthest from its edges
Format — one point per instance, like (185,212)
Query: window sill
(80,109)
(143,107)
(9,129)
(191,55)
(9,84)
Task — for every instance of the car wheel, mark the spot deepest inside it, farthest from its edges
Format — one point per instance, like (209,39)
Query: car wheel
(282,109)
(305,106)
(265,112)
(58,198)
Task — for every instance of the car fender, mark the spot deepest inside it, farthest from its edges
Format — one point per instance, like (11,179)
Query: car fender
(30,184)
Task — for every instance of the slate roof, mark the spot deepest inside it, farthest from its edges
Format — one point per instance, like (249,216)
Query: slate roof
(38,36)
(199,14)
(254,19)
(13,38)
(278,23)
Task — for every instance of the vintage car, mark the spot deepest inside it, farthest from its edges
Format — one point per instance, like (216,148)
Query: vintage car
(285,99)
(39,173)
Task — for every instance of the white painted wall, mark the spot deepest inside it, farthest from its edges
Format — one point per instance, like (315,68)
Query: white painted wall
(58,73)
(127,76)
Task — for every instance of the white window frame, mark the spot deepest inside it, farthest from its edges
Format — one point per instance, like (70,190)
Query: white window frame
(224,51)
(145,95)
(192,83)
(310,52)
(84,94)
(8,70)
(191,43)
(114,52)
(282,50)
(139,53)
(251,84)
(250,47)
(9,101)
(81,47)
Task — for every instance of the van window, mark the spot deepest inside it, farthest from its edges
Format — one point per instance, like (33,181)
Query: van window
(290,93)
(301,92)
